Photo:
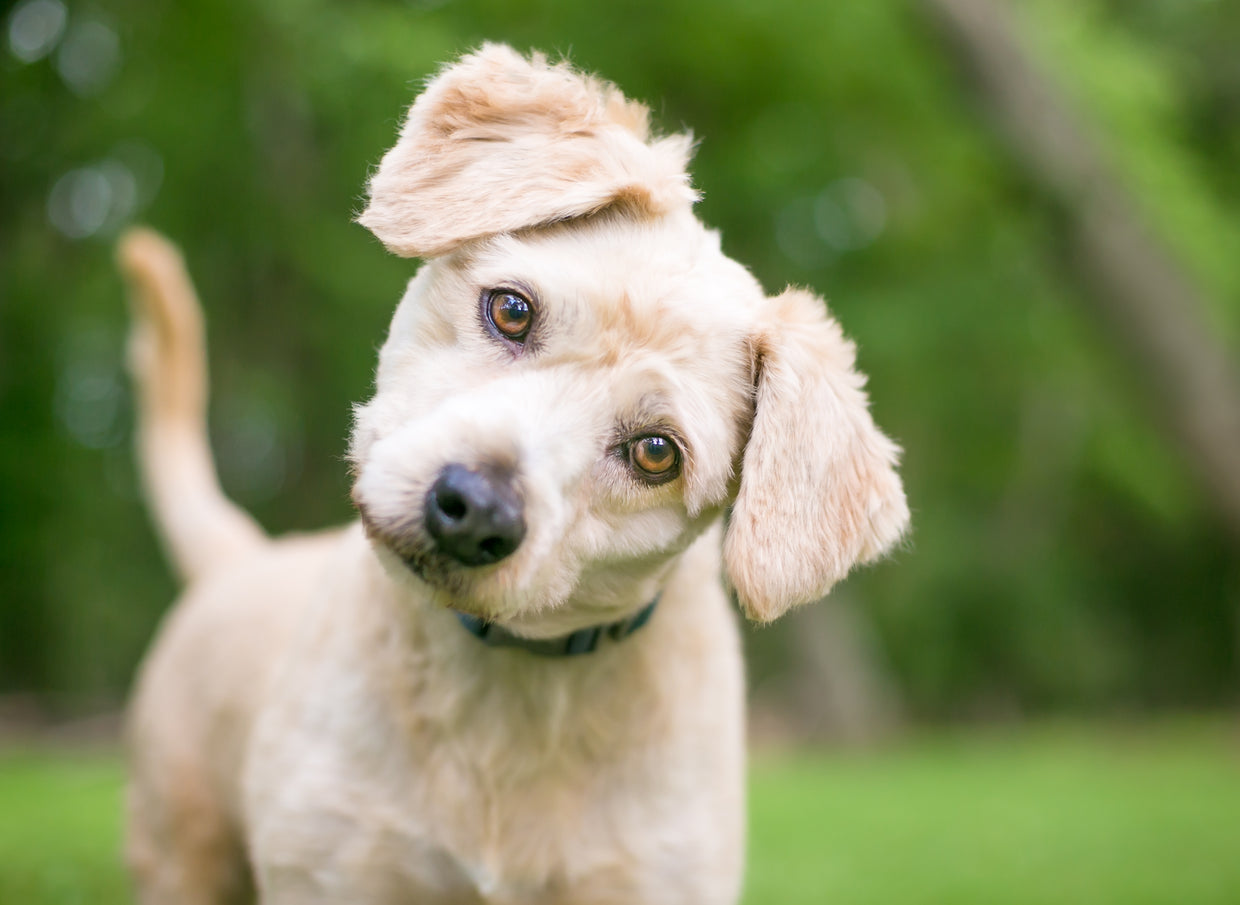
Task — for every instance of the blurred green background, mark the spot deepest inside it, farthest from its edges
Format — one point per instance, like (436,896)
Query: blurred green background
(1064,553)
(1070,554)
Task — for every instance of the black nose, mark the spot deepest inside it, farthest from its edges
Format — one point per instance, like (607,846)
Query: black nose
(474,515)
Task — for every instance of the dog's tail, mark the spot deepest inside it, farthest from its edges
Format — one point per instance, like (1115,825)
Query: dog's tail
(201,528)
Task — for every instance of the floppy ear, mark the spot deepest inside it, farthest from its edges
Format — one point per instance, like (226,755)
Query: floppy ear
(498,143)
(818,487)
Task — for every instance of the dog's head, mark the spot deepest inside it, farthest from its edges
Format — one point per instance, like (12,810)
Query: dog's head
(578,381)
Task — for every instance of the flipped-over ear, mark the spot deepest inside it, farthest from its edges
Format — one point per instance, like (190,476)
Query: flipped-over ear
(498,143)
(818,488)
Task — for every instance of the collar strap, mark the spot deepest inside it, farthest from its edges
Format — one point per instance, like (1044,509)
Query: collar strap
(582,641)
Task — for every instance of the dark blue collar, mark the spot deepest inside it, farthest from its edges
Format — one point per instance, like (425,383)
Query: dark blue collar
(582,641)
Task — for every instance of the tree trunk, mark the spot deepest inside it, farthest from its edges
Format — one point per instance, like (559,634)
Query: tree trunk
(1152,307)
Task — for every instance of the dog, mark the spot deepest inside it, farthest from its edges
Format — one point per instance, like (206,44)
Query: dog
(517,677)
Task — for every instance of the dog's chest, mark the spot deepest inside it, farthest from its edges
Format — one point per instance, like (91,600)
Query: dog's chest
(382,779)
(563,834)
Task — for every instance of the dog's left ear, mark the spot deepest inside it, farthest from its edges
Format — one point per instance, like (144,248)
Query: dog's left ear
(498,143)
(818,487)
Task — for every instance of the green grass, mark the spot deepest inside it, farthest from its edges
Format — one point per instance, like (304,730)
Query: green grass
(1146,816)
(60,819)
(1052,816)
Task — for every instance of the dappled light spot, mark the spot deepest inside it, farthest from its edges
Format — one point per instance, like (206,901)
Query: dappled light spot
(79,202)
(35,27)
(850,214)
(89,57)
(94,199)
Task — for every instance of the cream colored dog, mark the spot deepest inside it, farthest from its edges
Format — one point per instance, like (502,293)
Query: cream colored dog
(576,388)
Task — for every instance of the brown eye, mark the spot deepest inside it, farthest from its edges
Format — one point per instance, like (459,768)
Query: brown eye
(655,458)
(511,313)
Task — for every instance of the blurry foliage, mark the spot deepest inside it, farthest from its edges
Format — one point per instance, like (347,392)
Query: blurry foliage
(1062,555)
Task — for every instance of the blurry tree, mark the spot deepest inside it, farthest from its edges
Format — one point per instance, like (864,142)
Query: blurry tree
(1063,553)
(1152,307)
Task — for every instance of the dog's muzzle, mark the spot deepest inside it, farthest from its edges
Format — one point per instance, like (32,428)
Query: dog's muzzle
(475,515)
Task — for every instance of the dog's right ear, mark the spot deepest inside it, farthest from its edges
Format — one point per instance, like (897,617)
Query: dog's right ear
(498,143)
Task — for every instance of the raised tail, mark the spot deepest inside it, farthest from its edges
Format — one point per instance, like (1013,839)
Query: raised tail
(200,527)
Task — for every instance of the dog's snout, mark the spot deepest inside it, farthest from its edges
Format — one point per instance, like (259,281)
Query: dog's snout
(475,516)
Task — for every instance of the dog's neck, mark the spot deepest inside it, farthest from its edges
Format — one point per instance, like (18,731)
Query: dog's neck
(552,704)
(577,643)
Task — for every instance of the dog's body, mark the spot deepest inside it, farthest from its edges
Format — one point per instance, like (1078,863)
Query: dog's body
(575,387)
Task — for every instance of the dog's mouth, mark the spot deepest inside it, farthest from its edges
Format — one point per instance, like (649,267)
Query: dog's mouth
(436,570)
(450,581)
(453,586)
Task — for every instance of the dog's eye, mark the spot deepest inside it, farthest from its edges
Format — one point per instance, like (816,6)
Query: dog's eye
(510,313)
(655,458)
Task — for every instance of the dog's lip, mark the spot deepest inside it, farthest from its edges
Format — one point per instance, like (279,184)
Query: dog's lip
(435,570)
(446,592)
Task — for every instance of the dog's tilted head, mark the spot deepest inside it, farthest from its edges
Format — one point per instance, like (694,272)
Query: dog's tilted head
(578,381)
